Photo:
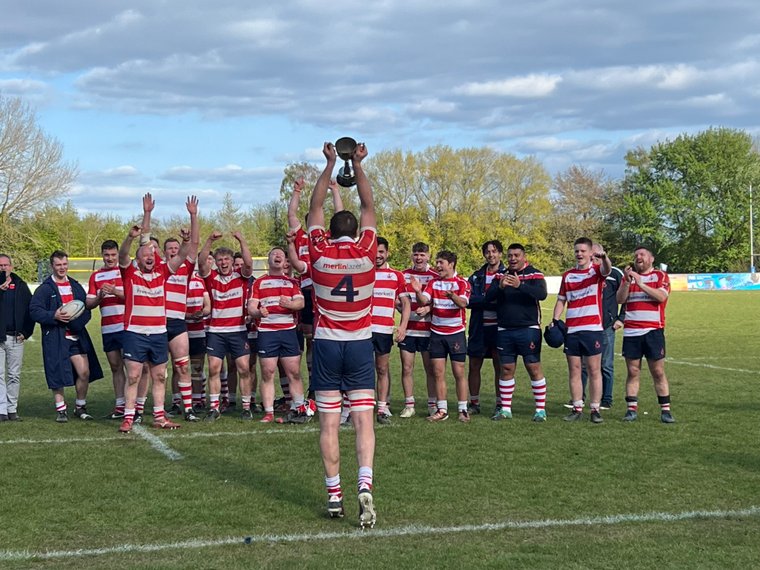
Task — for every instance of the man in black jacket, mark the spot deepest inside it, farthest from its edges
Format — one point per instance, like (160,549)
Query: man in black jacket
(15,327)
(481,338)
(518,314)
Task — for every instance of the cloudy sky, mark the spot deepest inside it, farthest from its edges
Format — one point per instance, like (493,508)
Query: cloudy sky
(214,97)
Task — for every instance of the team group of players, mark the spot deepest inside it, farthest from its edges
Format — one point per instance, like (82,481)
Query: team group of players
(201,308)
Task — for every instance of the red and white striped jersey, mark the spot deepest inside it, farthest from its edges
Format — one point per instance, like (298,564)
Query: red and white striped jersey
(228,298)
(267,290)
(67,295)
(176,290)
(389,284)
(447,317)
(111,307)
(582,289)
(343,272)
(418,326)
(144,302)
(302,249)
(196,294)
(642,313)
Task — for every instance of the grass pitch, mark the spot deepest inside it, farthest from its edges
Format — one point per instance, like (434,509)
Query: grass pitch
(507,494)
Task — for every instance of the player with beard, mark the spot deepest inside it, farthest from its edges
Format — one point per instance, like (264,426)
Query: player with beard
(387,295)
(645,292)
(145,339)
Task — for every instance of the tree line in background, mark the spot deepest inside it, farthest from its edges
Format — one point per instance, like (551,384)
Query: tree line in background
(687,198)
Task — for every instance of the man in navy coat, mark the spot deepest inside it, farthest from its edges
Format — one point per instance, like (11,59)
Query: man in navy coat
(67,350)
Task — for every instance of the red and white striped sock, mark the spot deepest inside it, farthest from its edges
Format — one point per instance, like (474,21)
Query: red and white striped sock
(539,393)
(409,402)
(60,406)
(214,401)
(186,393)
(365,478)
(119,407)
(506,389)
(140,405)
(158,414)
(333,486)
(246,402)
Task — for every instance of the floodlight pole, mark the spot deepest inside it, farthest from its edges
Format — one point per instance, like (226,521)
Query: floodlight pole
(751,234)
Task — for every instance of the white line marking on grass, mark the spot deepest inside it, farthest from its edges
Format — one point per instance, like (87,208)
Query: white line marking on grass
(404,531)
(192,435)
(710,366)
(174,435)
(157,443)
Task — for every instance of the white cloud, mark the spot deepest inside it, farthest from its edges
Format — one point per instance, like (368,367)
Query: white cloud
(532,85)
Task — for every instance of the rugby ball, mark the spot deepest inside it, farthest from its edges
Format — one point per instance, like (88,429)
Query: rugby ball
(73,309)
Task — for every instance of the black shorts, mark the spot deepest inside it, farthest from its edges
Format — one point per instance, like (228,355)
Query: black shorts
(307,313)
(152,348)
(197,346)
(382,343)
(452,345)
(222,344)
(278,344)
(343,365)
(113,341)
(650,345)
(525,342)
(175,327)
(482,345)
(415,344)
(584,343)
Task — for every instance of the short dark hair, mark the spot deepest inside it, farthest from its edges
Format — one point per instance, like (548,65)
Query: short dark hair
(382,241)
(494,242)
(420,247)
(584,241)
(170,240)
(57,254)
(343,224)
(238,255)
(644,246)
(449,256)
(108,244)
(516,246)
(223,251)
(8,257)
(155,239)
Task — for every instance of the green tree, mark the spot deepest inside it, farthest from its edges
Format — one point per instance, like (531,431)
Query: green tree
(689,198)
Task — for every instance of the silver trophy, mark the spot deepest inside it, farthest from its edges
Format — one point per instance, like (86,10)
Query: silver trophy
(345,148)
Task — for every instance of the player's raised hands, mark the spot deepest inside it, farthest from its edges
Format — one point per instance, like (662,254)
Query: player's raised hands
(148,203)
(360,153)
(329,151)
(192,205)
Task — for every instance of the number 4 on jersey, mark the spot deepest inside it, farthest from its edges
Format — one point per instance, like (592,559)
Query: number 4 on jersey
(345,288)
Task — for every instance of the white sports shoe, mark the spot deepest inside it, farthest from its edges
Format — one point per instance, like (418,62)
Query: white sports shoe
(367,515)
(407,412)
